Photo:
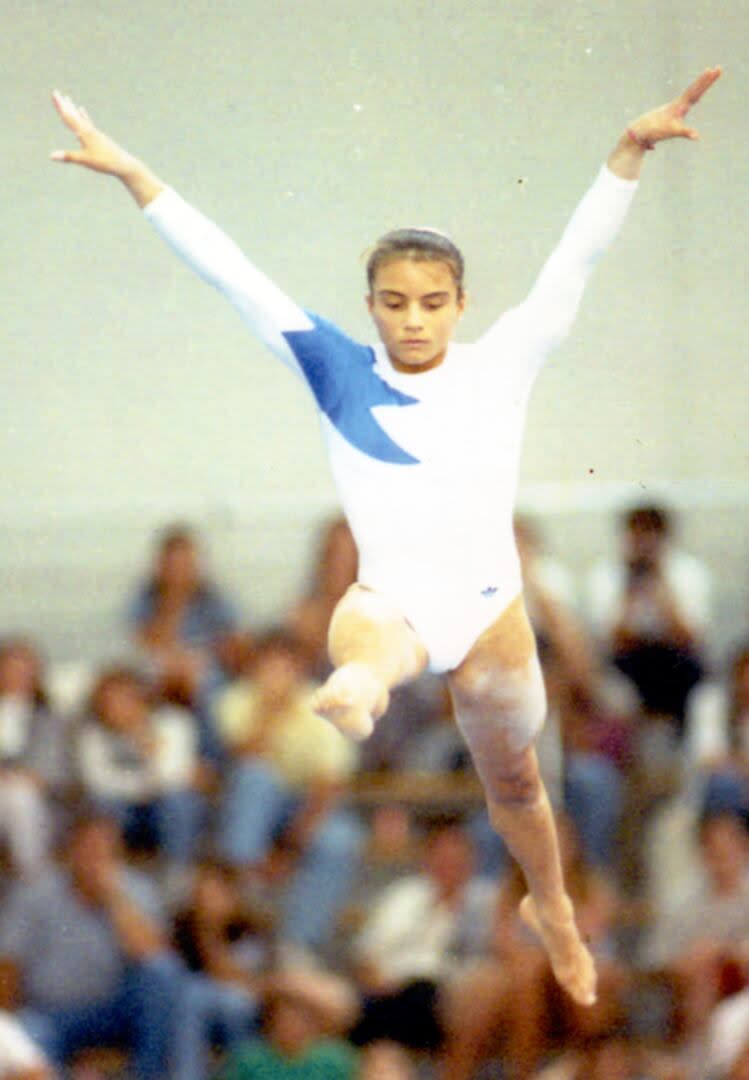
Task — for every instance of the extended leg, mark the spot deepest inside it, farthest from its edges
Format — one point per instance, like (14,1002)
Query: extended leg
(373,649)
(500,705)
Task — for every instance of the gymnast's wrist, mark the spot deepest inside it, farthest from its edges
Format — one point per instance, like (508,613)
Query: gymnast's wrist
(634,139)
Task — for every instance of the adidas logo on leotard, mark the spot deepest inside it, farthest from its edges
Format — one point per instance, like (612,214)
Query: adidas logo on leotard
(490,590)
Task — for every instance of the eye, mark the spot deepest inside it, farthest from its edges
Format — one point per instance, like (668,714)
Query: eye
(434,305)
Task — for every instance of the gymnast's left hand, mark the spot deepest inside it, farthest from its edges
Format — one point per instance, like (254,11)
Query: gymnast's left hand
(667,121)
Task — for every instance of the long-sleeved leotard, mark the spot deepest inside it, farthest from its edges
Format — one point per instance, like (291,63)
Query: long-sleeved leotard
(425,463)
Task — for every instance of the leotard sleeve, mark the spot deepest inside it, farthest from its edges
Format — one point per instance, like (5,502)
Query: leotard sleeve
(266,310)
(546,315)
(338,371)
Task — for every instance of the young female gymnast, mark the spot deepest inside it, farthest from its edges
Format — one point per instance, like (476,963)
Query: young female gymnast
(424,441)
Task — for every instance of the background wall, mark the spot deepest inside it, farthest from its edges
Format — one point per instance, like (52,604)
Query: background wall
(131,394)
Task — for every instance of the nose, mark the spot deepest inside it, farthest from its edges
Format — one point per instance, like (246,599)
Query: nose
(414,320)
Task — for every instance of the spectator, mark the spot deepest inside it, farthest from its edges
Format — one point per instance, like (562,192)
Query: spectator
(716,760)
(281,809)
(698,942)
(418,935)
(141,765)
(591,784)
(34,764)
(510,1001)
(334,571)
(651,608)
(20,1059)
(226,951)
(717,738)
(307,1011)
(83,955)
(550,597)
(179,617)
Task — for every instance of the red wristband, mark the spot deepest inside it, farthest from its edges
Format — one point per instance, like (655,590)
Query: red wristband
(644,144)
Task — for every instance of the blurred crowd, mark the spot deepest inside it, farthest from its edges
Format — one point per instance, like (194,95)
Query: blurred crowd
(200,877)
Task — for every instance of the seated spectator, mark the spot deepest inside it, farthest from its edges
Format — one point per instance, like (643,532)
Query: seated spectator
(334,572)
(141,764)
(582,744)
(20,1059)
(417,936)
(180,619)
(697,942)
(650,608)
(510,1002)
(716,775)
(83,955)
(281,809)
(717,739)
(226,950)
(549,596)
(34,762)
(306,1013)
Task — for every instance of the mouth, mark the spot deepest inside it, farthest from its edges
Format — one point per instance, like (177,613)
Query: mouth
(414,342)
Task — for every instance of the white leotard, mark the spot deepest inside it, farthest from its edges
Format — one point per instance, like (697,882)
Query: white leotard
(426,463)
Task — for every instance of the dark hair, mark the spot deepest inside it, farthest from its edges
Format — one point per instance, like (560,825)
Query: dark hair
(649,518)
(114,676)
(177,533)
(421,245)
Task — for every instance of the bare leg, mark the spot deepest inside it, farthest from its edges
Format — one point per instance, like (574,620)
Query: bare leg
(373,649)
(500,705)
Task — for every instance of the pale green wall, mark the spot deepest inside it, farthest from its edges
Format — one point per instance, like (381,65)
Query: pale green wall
(306,129)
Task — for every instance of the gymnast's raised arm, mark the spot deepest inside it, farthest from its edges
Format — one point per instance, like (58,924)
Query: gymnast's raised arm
(549,310)
(202,245)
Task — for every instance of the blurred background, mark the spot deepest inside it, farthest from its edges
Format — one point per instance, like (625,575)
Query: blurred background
(133,395)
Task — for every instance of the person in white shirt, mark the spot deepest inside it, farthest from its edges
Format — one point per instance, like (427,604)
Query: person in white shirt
(424,439)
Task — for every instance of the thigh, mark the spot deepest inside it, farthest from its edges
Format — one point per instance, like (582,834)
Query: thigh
(507,646)
(365,617)
(499,686)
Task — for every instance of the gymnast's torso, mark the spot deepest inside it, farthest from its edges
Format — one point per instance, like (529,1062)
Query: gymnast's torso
(425,463)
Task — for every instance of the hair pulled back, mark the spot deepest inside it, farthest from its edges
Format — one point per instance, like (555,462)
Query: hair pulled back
(419,244)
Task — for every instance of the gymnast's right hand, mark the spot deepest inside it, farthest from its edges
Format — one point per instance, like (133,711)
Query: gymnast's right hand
(102,154)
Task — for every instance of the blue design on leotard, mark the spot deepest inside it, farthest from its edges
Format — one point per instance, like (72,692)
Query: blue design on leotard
(341,376)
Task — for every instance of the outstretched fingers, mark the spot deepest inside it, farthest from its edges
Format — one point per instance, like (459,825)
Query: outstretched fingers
(77,119)
(698,88)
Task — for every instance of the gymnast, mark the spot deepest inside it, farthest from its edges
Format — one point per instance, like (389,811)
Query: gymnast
(424,439)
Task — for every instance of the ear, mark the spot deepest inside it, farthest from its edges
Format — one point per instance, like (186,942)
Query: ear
(369,300)
(462,301)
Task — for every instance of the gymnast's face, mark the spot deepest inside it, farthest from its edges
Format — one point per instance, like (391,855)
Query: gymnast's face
(415,305)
